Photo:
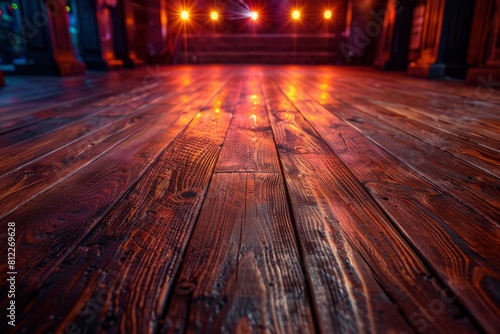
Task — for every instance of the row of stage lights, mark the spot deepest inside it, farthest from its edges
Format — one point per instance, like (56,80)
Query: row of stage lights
(214,16)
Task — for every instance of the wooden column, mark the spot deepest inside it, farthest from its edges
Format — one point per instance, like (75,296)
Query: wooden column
(393,46)
(46,39)
(445,39)
(484,47)
(95,35)
(124,33)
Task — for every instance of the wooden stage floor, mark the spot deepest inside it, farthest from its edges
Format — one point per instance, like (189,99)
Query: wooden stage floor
(234,199)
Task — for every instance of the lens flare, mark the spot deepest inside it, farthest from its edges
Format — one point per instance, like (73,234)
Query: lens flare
(296,15)
(214,16)
(328,14)
(184,15)
(254,16)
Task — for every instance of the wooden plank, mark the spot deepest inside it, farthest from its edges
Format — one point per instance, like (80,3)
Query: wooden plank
(140,241)
(479,156)
(454,118)
(242,270)
(36,89)
(243,266)
(431,111)
(358,152)
(478,103)
(345,293)
(249,145)
(112,174)
(32,123)
(400,116)
(41,92)
(75,125)
(438,92)
(34,178)
(471,274)
(39,175)
(480,131)
(424,215)
(24,114)
(351,213)
(470,185)
(383,247)
(119,86)
(433,222)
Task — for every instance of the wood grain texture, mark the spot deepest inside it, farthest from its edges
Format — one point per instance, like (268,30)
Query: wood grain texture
(40,90)
(425,216)
(467,183)
(49,225)
(39,106)
(37,176)
(172,190)
(395,266)
(470,185)
(314,199)
(249,145)
(472,117)
(476,155)
(242,272)
(36,140)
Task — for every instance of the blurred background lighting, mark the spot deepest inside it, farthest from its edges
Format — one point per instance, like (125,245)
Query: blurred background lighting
(296,15)
(328,14)
(184,15)
(254,16)
(214,16)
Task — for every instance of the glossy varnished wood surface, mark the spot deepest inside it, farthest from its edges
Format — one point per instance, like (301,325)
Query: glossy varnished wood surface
(235,199)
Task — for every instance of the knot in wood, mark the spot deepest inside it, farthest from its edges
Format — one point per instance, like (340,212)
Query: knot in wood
(184,288)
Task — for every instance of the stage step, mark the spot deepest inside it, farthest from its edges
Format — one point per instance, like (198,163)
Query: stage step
(259,48)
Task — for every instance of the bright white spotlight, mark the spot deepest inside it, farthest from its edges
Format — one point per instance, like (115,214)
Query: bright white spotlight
(328,14)
(296,15)
(214,16)
(184,15)
(254,16)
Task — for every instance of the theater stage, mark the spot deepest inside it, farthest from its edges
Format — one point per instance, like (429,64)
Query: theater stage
(251,199)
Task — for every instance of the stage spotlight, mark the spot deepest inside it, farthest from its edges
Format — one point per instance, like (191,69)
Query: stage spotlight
(214,16)
(254,16)
(296,15)
(184,15)
(328,14)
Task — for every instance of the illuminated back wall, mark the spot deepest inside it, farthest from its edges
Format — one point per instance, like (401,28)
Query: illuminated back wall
(274,16)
